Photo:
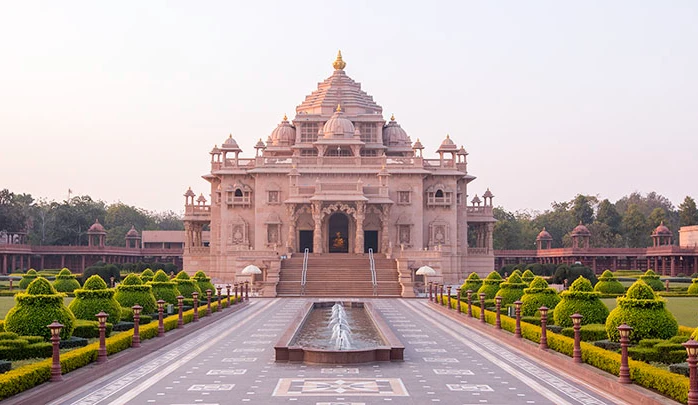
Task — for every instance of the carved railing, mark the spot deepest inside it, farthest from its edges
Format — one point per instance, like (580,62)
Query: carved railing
(372,264)
(304,272)
(477,251)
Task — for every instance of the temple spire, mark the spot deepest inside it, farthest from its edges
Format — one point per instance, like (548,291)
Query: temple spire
(339,64)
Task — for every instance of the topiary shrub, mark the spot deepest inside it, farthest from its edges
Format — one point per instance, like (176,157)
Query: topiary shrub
(204,282)
(652,280)
(580,298)
(28,278)
(511,290)
(186,285)
(90,329)
(693,288)
(132,291)
(645,312)
(106,272)
(538,295)
(490,285)
(163,288)
(37,308)
(528,276)
(147,275)
(472,283)
(94,297)
(66,281)
(587,333)
(608,284)
(515,272)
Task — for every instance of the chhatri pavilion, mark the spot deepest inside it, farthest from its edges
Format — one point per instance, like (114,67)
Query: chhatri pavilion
(348,190)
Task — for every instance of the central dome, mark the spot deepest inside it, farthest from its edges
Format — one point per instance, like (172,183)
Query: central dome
(338,126)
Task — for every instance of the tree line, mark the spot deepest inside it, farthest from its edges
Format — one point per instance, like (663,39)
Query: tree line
(628,222)
(66,222)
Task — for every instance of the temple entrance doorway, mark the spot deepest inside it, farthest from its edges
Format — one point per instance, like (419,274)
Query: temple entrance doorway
(338,227)
(370,241)
(305,241)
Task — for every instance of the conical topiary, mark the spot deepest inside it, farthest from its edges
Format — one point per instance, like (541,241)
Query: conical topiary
(37,308)
(147,275)
(537,295)
(28,278)
(132,291)
(652,280)
(645,312)
(164,288)
(204,282)
(511,290)
(693,288)
(515,272)
(608,284)
(186,285)
(66,281)
(490,285)
(94,297)
(580,298)
(473,283)
(528,276)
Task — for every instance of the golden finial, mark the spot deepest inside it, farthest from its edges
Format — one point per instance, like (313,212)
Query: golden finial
(392,117)
(285,118)
(339,64)
(339,108)
(448,136)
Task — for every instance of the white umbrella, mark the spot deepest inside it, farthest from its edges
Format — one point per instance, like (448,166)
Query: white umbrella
(424,271)
(251,269)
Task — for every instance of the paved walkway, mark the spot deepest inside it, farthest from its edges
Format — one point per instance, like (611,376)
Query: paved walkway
(233,362)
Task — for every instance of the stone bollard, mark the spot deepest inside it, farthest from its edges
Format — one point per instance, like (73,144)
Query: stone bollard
(55,328)
(195,295)
(482,307)
(102,351)
(136,339)
(208,299)
(161,325)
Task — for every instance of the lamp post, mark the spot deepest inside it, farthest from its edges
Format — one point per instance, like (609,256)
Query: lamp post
(195,295)
(430,287)
(227,287)
(247,290)
(218,290)
(517,311)
(180,310)
(102,352)
(577,325)
(55,328)
(469,293)
(441,293)
(448,295)
(460,291)
(498,305)
(208,300)
(692,350)
(482,307)
(161,325)
(624,373)
(136,339)
(543,327)
(236,293)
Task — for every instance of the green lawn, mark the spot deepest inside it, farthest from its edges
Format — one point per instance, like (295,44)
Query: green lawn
(8,302)
(685,309)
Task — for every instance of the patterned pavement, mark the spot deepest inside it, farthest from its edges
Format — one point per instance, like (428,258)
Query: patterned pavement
(233,362)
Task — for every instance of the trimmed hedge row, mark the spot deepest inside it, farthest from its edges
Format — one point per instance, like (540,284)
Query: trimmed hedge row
(664,382)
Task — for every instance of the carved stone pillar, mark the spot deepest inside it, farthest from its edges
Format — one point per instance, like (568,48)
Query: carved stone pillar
(385,217)
(359,216)
(317,233)
(291,240)
(490,240)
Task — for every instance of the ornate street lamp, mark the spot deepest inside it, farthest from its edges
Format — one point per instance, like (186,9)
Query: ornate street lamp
(195,295)
(624,373)
(460,291)
(227,287)
(577,326)
(469,293)
(180,311)
(218,289)
(448,295)
(517,311)
(482,307)
(102,352)
(692,350)
(236,293)
(161,325)
(136,339)
(208,299)
(543,327)
(498,305)
(247,290)
(55,328)
(430,290)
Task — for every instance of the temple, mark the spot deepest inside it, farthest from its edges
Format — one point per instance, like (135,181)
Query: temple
(341,183)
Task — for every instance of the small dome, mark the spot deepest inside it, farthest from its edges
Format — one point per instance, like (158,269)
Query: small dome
(215,150)
(201,198)
(189,193)
(96,228)
(394,135)
(447,145)
(662,230)
(417,145)
(132,233)
(580,230)
(283,135)
(259,144)
(338,126)
(476,200)
(462,151)
(544,235)
(488,194)
(230,144)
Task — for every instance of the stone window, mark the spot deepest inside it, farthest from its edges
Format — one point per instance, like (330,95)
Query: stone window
(368,132)
(238,195)
(273,234)
(404,237)
(439,196)
(273,197)
(459,199)
(308,152)
(309,132)
(403,197)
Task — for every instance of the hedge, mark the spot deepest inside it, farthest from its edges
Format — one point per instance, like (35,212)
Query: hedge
(472,283)
(490,285)
(204,282)
(93,298)
(163,288)
(582,299)
(652,280)
(66,281)
(511,290)
(587,333)
(28,278)
(90,329)
(608,284)
(132,291)
(537,295)
(186,285)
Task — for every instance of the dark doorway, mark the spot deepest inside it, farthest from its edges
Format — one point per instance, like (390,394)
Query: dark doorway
(339,233)
(305,241)
(370,241)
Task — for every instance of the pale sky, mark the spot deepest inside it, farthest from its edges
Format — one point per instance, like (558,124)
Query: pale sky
(124,100)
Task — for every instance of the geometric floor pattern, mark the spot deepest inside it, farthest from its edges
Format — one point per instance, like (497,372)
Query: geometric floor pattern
(232,362)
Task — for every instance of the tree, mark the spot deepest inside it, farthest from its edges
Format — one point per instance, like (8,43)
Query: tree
(120,218)
(14,211)
(657,216)
(582,209)
(608,215)
(635,228)
(688,213)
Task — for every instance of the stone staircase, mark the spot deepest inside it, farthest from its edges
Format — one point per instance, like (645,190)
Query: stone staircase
(338,275)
